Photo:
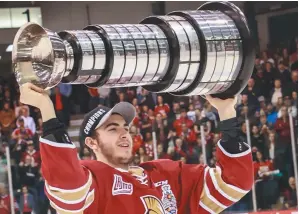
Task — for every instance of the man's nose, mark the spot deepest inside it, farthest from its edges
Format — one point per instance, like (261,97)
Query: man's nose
(124,134)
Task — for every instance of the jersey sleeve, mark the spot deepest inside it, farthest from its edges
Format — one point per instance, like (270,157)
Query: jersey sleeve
(69,186)
(203,189)
(220,187)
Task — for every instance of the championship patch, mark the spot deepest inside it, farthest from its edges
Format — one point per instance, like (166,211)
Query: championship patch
(120,187)
(168,200)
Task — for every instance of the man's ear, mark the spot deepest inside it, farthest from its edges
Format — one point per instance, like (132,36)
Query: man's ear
(91,143)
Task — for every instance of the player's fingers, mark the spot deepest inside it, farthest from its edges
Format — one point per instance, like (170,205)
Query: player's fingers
(36,88)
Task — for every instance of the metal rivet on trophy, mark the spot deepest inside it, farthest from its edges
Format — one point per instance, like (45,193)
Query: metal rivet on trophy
(199,52)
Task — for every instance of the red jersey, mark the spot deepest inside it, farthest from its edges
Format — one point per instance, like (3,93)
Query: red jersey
(137,142)
(261,167)
(177,124)
(161,186)
(162,109)
(190,136)
(34,154)
(27,133)
(5,204)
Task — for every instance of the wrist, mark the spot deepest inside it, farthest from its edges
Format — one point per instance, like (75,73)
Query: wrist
(47,110)
(226,114)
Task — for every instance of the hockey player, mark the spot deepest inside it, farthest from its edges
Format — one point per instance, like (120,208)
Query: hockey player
(108,185)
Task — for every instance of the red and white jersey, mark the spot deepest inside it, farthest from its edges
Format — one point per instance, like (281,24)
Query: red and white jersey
(160,187)
(162,109)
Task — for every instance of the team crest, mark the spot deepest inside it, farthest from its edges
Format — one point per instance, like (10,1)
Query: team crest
(152,205)
(168,200)
(120,187)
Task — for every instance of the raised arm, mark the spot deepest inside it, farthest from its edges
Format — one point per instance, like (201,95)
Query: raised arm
(69,186)
(232,177)
(203,189)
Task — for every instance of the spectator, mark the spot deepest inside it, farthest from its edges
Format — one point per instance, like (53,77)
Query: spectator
(149,145)
(267,191)
(293,85)
(26,203)
(62,108)
(178,150)
(28,171)
(282,126)
(104,96)
(31,152)
(21,134)
(258,142)
(143,157)
(266,58)
(287,102)
(191,113)
(146,124)
(262,83)
(161,108)
(271,114)
(276,92)
(28,121)
(137,138)
(7,119)
(245,102)
(188,135)
(19,108)
(283,74)
(252,91)
(4,200)
(94,98)
(290,199)
(178,123)
(161,153)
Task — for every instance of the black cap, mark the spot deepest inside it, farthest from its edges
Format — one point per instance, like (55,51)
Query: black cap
(95,118)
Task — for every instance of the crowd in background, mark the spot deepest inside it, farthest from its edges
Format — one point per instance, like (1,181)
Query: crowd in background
(268,99)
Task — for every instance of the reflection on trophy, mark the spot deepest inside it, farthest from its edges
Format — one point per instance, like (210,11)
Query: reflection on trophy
(205,51)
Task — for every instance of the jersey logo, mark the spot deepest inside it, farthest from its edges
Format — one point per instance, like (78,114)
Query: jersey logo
(120,187)
(160,183)
(152,205)
(168,200)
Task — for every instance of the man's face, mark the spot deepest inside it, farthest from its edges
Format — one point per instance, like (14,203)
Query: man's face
(294,75)
(244,98)
(268,66)
(25,112)
(250,82)
(30,147)
(184,128)
(6,106)
(277,83)
(269,108)
(255,130)
(114,142)
(21,123)
(160,100)
(292,182)
(281,67)
(160,149)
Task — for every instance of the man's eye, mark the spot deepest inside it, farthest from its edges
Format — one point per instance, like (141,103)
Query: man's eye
(114,129)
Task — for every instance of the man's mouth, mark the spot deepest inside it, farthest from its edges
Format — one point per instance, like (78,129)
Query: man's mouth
(124,145)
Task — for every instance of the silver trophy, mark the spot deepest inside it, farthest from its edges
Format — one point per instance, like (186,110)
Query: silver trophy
(205,51)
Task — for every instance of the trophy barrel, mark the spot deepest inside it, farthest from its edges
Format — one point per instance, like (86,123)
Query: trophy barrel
(184,53)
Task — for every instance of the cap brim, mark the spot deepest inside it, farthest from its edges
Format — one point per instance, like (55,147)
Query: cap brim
(125,109)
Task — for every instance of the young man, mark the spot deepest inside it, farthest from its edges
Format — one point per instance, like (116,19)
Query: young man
(109,185)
